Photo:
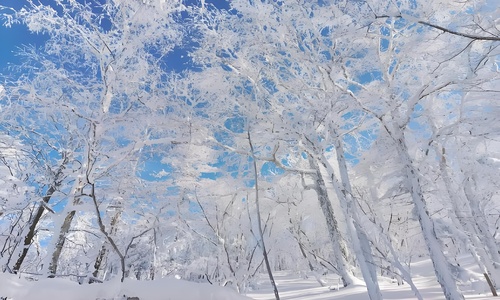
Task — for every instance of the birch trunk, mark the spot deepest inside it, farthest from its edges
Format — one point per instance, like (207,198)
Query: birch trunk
(102,228)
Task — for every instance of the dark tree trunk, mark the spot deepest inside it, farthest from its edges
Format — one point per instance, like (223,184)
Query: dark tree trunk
(28,239)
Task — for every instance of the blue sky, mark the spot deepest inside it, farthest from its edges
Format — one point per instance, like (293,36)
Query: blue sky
(14,37)
(18,35)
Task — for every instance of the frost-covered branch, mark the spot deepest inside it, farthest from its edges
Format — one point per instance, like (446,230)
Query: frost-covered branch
(453,32)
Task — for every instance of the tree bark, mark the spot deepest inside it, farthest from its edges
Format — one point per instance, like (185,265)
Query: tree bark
(98,261)
(63,231)
(348,207)
(28,239)
(331,224)
(60,242)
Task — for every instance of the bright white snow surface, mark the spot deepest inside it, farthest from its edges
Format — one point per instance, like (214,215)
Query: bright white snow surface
(16,288)
(291,286)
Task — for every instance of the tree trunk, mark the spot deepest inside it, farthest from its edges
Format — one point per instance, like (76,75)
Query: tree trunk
(98,261)
(259,221)
(152,269)
(347,204)
(12,242)
(439,260)
(102,253)
(331,224)
(102,228)
(60,242)
(28,239)
(346,183)
(311,267)
(64,229)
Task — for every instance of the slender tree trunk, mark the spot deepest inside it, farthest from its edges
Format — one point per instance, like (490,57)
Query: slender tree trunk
(297,233)
(439,260)
(12,242)
(386,239)
(331,224)
(102,253)
(28,239)
(397,264)
(64,229)
(354,231)
(303,252)
(346,183)
(102,228)
(348,206)
(60,242)
(152,270)
(99,259)
(259,221)
(311,267)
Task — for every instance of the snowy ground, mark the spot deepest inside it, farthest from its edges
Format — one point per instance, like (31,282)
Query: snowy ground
(290,285)
(162,289)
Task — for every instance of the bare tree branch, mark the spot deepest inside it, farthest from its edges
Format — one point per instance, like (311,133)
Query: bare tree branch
(453,32)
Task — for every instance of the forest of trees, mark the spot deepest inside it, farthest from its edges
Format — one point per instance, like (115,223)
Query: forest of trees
(220,140)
